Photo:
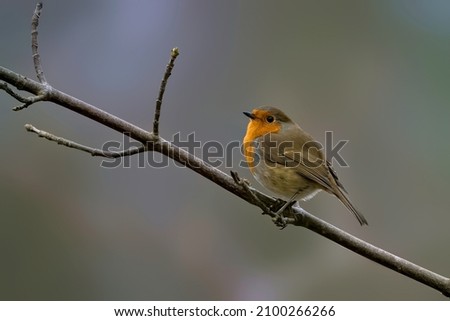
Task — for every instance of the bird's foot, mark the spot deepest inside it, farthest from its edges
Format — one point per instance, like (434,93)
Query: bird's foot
(277,205)
(280,221)
(277,217)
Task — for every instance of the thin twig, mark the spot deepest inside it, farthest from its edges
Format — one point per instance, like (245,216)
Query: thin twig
(87,149)
(173,55)
(280,221)
(31,100)
(35,46)
(45,91)
(27,101)
(4,86)
(246,186)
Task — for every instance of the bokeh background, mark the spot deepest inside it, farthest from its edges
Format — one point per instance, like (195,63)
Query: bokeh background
(374,72)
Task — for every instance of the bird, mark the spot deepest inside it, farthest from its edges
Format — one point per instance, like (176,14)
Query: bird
(288,161)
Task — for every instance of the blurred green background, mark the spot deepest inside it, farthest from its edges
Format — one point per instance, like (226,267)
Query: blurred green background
(375,72)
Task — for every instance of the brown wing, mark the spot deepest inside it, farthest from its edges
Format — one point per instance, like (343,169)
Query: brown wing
(333,173)
(306,156)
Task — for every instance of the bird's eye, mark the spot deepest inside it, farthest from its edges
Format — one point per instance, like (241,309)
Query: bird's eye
(270,119)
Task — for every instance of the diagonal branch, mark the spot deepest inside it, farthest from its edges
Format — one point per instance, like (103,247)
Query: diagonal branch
(296,215)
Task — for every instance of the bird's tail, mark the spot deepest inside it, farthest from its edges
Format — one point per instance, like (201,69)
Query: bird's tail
(344,199)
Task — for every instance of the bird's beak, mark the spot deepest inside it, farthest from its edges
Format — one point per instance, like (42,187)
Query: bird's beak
(249,115)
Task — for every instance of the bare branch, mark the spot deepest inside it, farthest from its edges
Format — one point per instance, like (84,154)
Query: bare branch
(87,149)
(34,44)
(376,254)
(173,55)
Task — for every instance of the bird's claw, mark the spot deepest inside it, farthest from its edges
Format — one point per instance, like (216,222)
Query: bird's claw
(277,205)
(280,221)
(277,216)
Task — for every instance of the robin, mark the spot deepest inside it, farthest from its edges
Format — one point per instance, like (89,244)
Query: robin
(288,161)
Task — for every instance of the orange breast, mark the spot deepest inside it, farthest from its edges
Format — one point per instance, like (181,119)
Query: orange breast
(256,128)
